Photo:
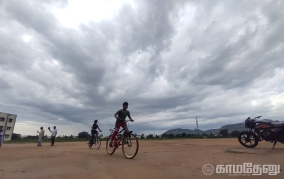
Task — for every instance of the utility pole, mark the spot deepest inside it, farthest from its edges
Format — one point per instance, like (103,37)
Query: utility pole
(197,125)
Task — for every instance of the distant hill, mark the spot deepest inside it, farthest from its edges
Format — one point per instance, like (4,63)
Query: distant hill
(229,127)
(234,127)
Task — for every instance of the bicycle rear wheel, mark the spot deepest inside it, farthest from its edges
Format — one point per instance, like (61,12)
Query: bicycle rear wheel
(110,150)
(97,143)
(90,144)
(130,146)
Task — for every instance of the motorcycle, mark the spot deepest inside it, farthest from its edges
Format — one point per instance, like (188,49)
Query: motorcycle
(261,130)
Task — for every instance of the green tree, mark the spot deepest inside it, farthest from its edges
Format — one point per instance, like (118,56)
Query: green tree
(83,135)
(224,132)
(31,137)
(165,135)
(150,136)
(16,136)
(171,135)
(235,133)
(205,135)
(142,136)
(183,135)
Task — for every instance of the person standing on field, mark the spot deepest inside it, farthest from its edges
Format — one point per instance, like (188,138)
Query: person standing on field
(40,136)
(53,135)
(1,137)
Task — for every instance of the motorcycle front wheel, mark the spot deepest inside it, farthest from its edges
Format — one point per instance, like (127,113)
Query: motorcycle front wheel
(248,139)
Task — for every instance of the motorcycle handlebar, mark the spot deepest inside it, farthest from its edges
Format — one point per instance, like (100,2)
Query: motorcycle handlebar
(257,117)
(254,118)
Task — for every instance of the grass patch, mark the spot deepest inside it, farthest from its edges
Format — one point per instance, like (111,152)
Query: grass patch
(233,152)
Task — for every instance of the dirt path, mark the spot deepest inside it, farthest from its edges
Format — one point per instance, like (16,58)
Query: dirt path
(165,159)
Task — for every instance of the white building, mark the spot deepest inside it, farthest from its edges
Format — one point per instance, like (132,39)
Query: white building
(7,124)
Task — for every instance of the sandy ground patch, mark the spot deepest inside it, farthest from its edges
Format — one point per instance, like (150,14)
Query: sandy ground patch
(164,159)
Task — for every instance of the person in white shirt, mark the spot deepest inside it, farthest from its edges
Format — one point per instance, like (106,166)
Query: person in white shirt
(53,135)
(40,136)
(1,137)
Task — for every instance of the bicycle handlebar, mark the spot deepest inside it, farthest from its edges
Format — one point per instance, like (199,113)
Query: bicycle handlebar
(128,120)
(125,121)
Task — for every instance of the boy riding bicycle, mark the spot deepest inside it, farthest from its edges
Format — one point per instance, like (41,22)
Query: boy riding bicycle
(94,130)
(120,121)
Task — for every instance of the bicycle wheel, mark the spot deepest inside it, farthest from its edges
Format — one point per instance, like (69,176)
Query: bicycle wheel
(110,150)
(130,146)
(97,143)
(90,143)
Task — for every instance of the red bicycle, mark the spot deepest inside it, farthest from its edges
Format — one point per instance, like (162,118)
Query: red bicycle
(129,142)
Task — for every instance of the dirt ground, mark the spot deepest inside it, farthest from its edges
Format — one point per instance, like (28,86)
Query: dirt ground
(164,159)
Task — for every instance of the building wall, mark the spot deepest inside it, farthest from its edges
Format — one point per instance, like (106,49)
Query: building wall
(3,116)
(7,125)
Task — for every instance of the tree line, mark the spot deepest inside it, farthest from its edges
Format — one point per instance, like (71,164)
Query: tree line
(34,138)
(83,136)
(223,133)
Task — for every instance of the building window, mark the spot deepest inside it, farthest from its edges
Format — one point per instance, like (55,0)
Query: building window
(7,136)
(2,119)
(8,128)
(10,120)
(1,127)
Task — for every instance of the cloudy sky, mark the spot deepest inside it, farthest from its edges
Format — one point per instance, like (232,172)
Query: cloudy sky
(66,63)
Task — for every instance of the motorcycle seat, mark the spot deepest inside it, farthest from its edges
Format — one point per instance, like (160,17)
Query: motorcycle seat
(265,121)
(277,124)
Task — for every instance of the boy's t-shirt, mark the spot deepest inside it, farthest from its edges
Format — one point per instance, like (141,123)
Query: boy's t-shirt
(95,126)
(122,115)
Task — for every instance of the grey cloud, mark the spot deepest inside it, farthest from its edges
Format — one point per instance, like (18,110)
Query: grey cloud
(168,69)
(214,70)
(4,85)
(58,3)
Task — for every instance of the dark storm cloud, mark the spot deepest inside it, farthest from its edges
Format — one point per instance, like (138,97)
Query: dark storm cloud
(254,53)
(171,61)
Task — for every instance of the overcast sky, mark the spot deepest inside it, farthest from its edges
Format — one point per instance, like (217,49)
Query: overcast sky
(71,62)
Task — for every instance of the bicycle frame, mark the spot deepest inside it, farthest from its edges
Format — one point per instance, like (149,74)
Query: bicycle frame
(119,137)
(125,140)
(96,136)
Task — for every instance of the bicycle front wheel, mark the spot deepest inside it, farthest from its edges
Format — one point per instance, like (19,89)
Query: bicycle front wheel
(130,146)
(109,148)
(97,143)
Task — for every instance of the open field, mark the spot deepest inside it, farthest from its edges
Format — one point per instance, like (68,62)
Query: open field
(156,159)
